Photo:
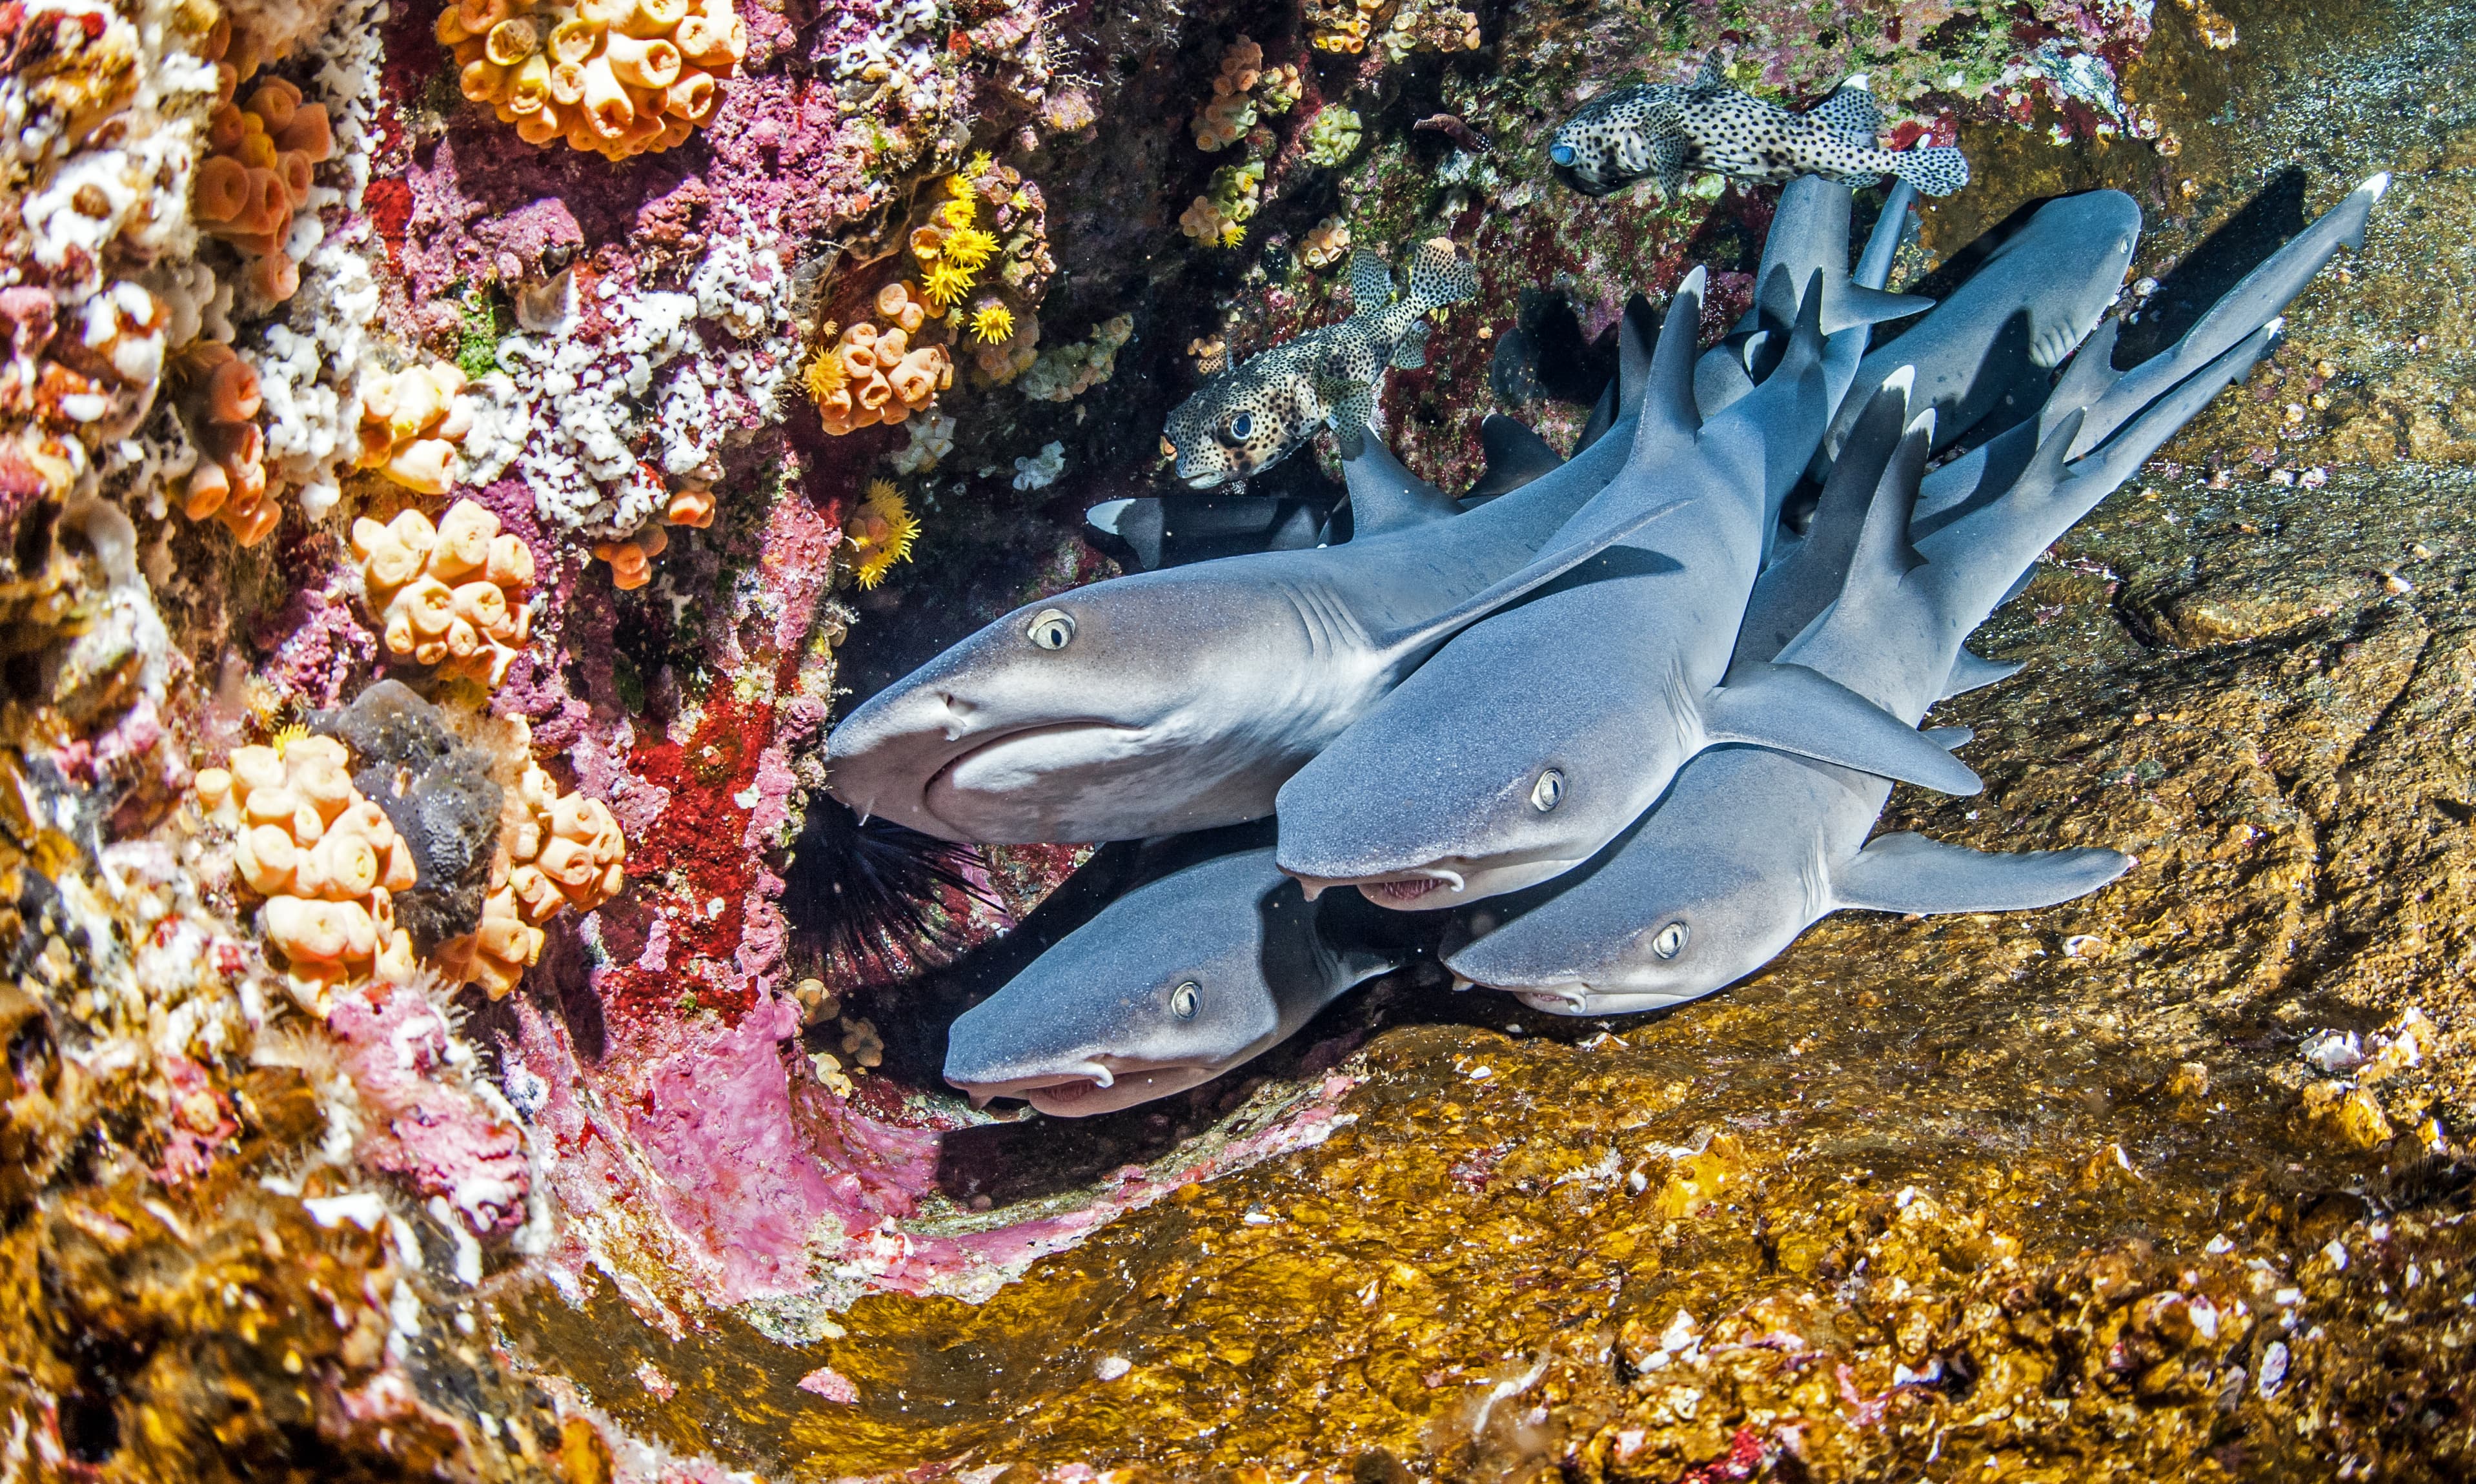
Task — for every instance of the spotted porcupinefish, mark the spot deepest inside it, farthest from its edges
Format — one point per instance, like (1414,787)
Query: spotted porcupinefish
(1671,130)
(1259,412)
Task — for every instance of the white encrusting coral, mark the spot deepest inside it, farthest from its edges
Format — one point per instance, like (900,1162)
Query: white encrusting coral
(572,416)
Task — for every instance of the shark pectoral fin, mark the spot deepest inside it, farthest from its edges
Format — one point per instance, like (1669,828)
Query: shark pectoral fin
(1410,352)
(1971,672)
(1951,740)
(1386,495)
(1545,568)
(1515,455)
(1862,306)
(1909,873)
(1791,709)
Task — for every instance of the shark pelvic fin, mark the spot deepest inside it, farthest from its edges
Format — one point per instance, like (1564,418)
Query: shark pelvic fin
(1909,873)
(1791,709)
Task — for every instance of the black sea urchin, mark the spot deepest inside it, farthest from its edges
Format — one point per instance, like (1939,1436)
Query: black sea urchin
(873,892)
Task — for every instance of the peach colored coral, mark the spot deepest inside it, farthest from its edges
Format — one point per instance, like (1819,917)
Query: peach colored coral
(325,859)
(451,594)
(260,152)
(631,559)
(556,851)
(612,77)
(884,377)
(221,397)
(412,422)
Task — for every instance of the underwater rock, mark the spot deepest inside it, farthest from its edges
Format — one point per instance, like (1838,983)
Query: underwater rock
(440,796)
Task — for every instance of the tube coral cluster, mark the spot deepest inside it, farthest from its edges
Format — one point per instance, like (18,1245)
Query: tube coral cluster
(325,859)
(1340,25)
(1242,83)
(612,77)
(257,174)
(451,594)
(228,484)
(874,374)
(412,421)
(556,851)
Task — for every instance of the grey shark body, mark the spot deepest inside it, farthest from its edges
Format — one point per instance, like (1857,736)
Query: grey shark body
(1752,846)
(1168,987)
(1181,699)
(1529,741)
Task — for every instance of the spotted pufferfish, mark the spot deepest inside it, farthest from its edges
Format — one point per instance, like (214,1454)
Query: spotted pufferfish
(1261,410)
(1670,131)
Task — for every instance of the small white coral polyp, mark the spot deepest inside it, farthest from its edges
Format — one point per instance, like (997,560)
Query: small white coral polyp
(612,76)
(325,859)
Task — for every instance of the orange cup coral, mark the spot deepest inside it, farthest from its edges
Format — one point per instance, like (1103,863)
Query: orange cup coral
(631,560)
(876,374)
(612,77)
(256,174)
(411,424)
(450,595)
(228,484)
(325,859)
(556,851)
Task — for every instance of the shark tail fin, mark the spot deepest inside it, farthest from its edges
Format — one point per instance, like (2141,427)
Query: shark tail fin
(1370,282)
(1850,112)
(1935,169)
(1439,275)
(1892,228)
(2256,299)
(1515,455)
(1669,412)
(1561,558)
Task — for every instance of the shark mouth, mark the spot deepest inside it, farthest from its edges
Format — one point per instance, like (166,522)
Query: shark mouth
(1431,888)
(1410,894)
(1025,761)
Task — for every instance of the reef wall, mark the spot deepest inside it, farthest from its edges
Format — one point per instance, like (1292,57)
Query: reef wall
(455,462)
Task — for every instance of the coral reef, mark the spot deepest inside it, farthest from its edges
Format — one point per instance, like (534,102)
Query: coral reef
(876,375)
(609,78)
(556,851)
(1068,371)
(441,797)
(1324,243)
(451,596)
(1334,136)
(412,422)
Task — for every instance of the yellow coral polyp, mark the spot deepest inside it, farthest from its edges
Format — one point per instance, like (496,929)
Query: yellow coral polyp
(826,376)
(946,282)
(960,185)
(881,532)
(961,211)
(980,163)
(969,248)
(992,322)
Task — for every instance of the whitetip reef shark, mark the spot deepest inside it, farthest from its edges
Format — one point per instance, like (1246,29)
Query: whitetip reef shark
(1752,846)
(1527,743)
(1179,699)
(1168,987)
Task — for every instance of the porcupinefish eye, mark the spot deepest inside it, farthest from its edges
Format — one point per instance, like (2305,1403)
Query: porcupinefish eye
(1185,1000)
(1050,627)
(1671,941)
(1549,791)
(1562,154)
(1242,427)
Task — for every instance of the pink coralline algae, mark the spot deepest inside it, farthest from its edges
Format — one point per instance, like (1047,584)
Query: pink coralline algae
(430,1129)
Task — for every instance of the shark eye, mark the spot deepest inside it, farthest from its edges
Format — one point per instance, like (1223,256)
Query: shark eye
(1185,1000)
(1050,629)
(1548,792)
(1671,941)
(1562,154)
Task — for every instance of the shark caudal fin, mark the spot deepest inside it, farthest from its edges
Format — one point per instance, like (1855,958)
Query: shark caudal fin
(1935,170)
(1384,495)
(2259,297)
(1439,275)
(1909,873)
(1975,672)
(1850,112)
(1515,456)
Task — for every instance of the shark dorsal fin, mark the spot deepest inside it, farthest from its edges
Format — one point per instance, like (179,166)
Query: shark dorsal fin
(1637,336)
(1515,455)
(1385,496)
(1669,417)
(1884,554)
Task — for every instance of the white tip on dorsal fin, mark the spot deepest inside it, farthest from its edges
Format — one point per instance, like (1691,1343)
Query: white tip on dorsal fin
(1920,426)
(1903,380)
(2376,185)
